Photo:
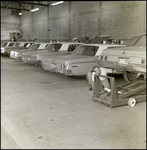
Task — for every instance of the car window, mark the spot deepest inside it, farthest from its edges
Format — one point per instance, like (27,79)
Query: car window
(46,46)
(17,44)
(86,50)
(5,44)
(27,45)
(11,44)
(35,46)
(54,47)
(72,47)
(141,41)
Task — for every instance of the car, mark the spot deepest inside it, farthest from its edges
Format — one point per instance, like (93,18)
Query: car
(17,54)
(29,57)
(16,46)
(6,45)
(81,60)
(129,61)
(59,48)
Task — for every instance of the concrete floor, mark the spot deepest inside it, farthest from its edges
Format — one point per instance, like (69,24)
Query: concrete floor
(41,110)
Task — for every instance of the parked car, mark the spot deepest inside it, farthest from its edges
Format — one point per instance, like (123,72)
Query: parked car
(6,45)
(130,61)
(17,54)
(54,49)
(16,46)
(83,58)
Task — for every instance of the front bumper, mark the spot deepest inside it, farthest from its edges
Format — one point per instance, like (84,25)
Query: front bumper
(4,53)
(34,61)
(25,60)
(14,56)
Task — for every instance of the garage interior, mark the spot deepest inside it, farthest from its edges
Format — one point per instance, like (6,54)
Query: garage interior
(44,110)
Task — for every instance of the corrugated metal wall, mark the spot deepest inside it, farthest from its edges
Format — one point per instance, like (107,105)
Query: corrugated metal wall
(121,19)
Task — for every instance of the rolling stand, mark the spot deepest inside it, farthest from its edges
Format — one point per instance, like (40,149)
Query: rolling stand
(130,93)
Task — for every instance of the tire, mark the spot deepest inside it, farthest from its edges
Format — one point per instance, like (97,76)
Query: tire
(129,77)
(71,76)
(132,102)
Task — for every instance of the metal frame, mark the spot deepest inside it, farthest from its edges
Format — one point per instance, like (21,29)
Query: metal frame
(136,90)
(22,5)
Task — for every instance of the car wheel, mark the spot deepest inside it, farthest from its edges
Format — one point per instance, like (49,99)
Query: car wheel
(71,76)
(129,77)
(132,102)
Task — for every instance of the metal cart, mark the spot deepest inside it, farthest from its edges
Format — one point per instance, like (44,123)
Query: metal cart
(130,93)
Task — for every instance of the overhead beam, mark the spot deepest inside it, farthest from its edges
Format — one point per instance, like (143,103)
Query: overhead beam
(17,8)
(33,3)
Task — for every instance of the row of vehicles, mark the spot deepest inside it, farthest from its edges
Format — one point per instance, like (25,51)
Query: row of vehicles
(77,59)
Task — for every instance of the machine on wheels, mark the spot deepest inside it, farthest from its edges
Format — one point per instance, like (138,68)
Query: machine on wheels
(130,93)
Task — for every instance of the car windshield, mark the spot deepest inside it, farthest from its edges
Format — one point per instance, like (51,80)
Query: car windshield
(141,41)
(54,47)
(85,50)
(35,46)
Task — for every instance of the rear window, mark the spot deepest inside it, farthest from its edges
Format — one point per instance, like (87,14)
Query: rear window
(141,41)
(86,50)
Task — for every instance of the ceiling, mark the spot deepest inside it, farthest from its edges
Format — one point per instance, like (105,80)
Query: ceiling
(23,5)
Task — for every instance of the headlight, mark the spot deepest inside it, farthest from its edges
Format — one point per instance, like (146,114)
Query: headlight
(43,62)
(62,66)
(66,66)
(2,49)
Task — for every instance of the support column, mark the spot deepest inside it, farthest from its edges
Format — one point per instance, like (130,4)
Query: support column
(69,20)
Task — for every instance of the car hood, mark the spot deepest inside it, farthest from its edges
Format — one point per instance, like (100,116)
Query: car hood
(71,59)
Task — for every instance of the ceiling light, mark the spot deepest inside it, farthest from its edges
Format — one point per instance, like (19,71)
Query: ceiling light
(34,9)
(56,3)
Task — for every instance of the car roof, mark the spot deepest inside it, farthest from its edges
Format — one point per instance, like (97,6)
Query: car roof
(42,43)
(105,45)
(67,42)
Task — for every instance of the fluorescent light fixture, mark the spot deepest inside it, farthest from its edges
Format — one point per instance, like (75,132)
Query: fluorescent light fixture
(20,13)
(34,9)
(56,3)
